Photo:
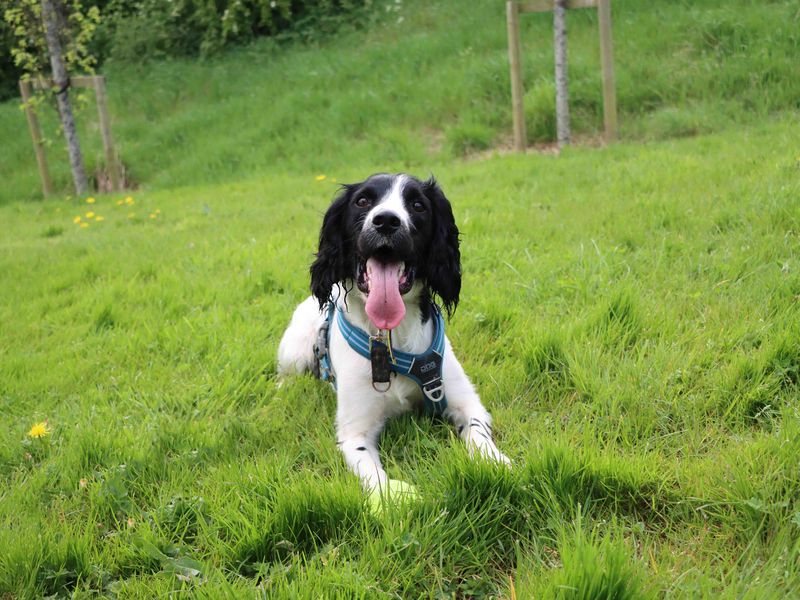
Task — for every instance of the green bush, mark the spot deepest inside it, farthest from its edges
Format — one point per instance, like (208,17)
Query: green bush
(144,30)
(153,29)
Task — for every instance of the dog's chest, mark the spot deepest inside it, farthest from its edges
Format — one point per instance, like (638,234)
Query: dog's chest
(403,395)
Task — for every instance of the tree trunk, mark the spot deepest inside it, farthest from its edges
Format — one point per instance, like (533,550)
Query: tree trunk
(61,81)
(562,97)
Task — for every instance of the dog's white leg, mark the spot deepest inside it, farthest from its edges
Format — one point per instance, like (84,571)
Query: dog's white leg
(359,421)
(465,410)
(361,455)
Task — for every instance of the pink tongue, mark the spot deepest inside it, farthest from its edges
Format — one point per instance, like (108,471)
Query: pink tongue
(385,306)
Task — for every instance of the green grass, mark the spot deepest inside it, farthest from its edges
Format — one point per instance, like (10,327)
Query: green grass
(630,317)
(424,90)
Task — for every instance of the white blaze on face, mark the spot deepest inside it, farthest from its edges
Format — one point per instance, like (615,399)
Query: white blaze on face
(392,202)
(385,307)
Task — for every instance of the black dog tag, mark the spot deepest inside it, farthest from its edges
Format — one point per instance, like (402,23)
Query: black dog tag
(379,357)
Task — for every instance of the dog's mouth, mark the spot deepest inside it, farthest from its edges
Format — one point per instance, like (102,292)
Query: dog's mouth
(384,283)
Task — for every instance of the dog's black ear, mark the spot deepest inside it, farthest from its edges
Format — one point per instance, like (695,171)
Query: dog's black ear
(330,265)
(443,263)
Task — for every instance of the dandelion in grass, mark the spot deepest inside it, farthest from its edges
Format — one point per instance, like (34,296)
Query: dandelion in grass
(129,200)
(90,200)
(39,430)
(99,218)
(157,211)
(120,202)
(84,225)
(153,215)
(77,219)
(320,177)
(90,215)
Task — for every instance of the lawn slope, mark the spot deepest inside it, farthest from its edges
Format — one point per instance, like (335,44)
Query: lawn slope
(424,85)
(629,316)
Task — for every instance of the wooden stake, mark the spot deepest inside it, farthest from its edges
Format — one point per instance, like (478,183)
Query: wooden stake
(105,132)
(562,95)
(607,60)
(517,108)
(25,91)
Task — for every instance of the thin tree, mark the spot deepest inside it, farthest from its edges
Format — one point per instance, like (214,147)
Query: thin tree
(53,30)
(562,98)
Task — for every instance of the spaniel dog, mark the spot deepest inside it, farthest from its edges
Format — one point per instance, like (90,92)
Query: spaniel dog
(388,250)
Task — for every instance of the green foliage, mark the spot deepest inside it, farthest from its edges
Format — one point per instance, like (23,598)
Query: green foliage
(76,28)
(154,29)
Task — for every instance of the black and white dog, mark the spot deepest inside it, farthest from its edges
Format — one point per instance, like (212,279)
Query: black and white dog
(393,240)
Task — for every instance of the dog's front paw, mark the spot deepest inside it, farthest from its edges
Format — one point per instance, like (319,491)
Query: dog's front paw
(492,453)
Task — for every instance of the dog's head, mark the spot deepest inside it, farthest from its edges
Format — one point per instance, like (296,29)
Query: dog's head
(384,234)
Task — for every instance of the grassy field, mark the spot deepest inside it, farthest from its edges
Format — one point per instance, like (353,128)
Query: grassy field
(429,84)
(630,317)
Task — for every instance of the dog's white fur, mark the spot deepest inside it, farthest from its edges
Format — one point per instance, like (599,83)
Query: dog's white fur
(361,410)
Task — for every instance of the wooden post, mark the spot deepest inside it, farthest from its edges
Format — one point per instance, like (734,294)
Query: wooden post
(562,95)
(36,136)
(607,60)
(105,132)
(517,108)
(513,9)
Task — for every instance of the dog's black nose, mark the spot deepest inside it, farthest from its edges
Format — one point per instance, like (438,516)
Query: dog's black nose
(386,223)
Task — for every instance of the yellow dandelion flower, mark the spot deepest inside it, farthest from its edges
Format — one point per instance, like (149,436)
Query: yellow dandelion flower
(90,200)
(320,177)
(90,215)
(129,200)
(120,202)
(84,225)
(153,215)
(99,218)
(77,219)
(157,211)
(39,430)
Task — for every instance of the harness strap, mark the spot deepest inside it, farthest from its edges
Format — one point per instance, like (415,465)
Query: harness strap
(424,369)
(324,369)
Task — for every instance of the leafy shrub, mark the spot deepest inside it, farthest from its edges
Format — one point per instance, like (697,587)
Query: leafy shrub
(152,29)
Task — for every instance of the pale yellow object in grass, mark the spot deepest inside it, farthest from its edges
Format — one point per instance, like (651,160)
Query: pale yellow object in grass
(392,493)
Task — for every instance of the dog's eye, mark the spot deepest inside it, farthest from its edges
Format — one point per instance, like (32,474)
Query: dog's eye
(363,202)
(418,206)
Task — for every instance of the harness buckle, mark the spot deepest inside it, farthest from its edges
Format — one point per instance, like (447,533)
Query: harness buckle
(321,346)
(434,390)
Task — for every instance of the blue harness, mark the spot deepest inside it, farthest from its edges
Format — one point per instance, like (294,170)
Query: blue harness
(424,369)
